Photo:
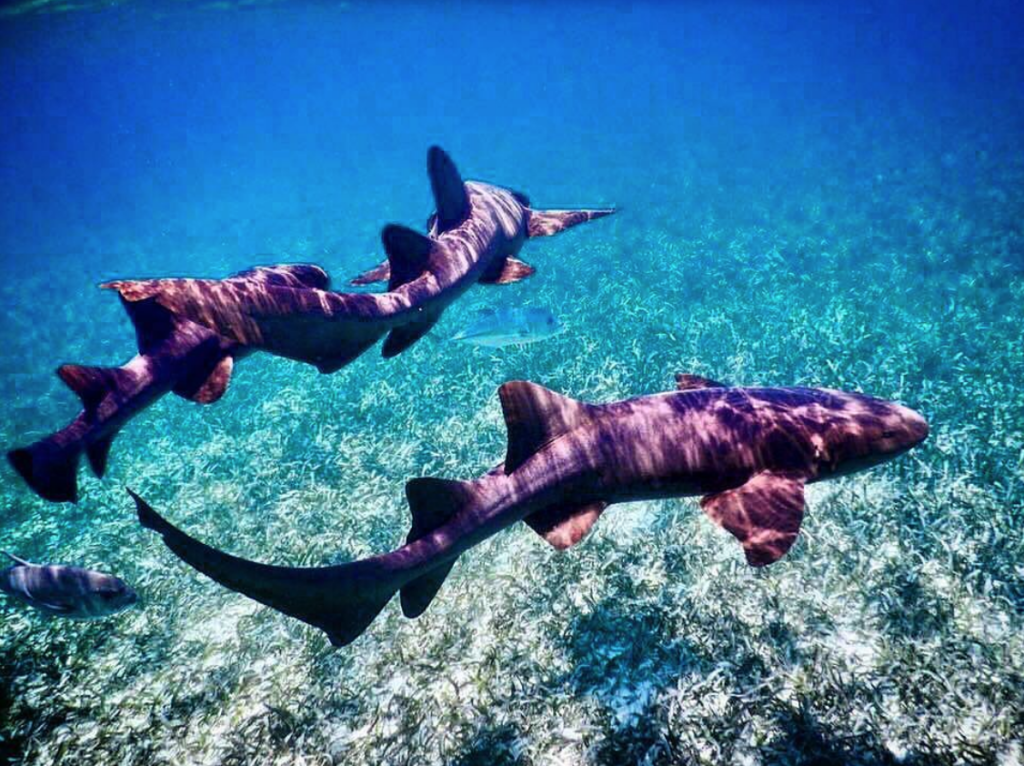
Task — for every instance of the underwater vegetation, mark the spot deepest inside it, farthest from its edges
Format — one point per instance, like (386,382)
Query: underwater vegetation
(890,633)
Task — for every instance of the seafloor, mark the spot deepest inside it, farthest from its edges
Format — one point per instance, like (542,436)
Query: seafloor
(892,633)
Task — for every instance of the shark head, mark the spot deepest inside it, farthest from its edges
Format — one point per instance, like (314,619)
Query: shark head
(106,595)
(866,431)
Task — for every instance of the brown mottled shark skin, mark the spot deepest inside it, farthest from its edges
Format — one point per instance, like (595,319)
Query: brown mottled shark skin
(474,236)
(174,355)
(748,452)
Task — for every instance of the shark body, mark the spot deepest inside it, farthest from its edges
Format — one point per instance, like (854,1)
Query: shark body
(748,452)
(174,355)
(474,237)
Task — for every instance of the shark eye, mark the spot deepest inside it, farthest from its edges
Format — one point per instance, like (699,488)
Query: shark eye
(889,434)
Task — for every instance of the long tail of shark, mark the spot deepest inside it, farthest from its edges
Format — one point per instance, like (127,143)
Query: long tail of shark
(50,465)
(340,600)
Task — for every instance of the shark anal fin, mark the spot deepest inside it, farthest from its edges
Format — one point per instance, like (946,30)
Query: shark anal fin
(687,382)
(507,271)
(450,195)
(545,223)
(97,452)
(535,416)
(408,253)
(381,273)
(564,527)
(764,514)
(209,388)
(401,338)
(432,503)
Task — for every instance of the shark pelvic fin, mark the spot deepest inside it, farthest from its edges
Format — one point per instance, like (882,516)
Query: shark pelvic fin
(408,253)
(208,388)
(92,383)
(764,514)
(507,271)
(564,527)
(545,223)
(535,416)
(687,382)
(341,600)
(380,273)
(450,195)
(432,502)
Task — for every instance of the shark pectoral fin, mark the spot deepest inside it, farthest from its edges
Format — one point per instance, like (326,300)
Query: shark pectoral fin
(408,253)
(506,271)
(381,273)
(688,382)
(545,223)
(564,527)
(450,197)
(97,452)
(341,600)
(535,416)
(432,502)
(764,514)
(211,387)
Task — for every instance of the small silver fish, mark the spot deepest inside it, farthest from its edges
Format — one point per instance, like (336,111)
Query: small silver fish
(495,328)
(80,594)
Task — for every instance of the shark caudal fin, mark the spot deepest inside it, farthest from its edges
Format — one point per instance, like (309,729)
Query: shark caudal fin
(545,223)
(340,600)
(432,502)
(49,469)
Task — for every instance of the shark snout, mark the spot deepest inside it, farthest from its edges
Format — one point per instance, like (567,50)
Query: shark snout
(915,426)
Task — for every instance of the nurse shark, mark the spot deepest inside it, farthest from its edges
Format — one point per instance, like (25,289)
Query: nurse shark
(474,237)
(747,452)
(174,355)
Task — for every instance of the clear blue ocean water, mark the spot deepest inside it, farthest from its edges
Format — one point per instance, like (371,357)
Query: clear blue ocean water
(810,193)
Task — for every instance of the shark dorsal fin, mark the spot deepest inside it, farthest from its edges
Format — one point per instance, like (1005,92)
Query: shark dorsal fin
(408,253)
(295,275)
(687,382)
(153,323)
(450,195)
(535,416)
(432,502)
(92,383)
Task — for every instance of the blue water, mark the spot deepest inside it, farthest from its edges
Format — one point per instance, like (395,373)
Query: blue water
(810,193)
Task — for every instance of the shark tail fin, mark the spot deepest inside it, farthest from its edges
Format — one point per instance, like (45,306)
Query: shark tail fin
(49,469)
(545,223)
(340,600)
(432,502)
(92,384)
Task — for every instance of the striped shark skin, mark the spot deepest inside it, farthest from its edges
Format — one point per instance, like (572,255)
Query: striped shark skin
(747,452)
(65,591)
(474,237)
(174,355)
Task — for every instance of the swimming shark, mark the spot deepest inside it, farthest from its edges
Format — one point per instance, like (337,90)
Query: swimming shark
(63,591)
(473,237)
(174,354)
(747,452)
